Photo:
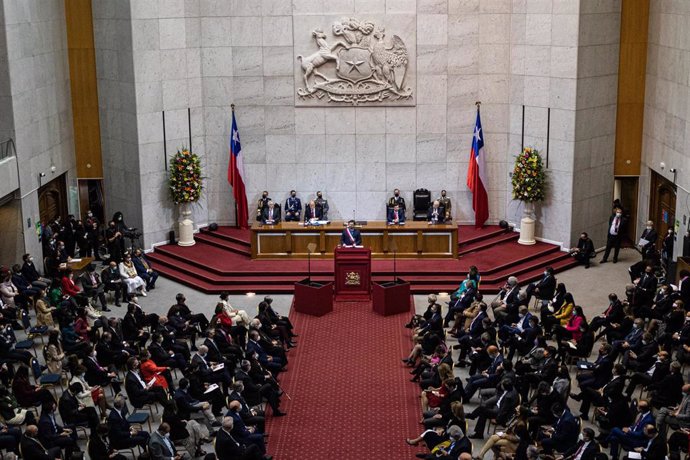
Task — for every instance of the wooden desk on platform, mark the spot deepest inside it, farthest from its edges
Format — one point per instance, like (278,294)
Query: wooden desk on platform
(414,240)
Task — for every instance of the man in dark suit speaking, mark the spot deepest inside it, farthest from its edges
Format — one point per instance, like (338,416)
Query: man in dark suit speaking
(350,236)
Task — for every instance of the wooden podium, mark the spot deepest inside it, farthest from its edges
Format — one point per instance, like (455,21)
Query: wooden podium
(312,298)
(352,274)
(391,298)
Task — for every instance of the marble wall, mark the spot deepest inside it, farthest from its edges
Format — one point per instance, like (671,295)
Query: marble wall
(40,112)
(208,54)
(667,115)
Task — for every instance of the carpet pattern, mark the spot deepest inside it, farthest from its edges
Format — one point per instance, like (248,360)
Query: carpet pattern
(351,398)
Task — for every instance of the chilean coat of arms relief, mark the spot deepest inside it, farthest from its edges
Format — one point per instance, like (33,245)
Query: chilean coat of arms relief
(357,63)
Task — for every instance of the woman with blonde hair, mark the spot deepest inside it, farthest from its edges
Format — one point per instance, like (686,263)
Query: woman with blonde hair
(54,355)
(90,395)
(44,312)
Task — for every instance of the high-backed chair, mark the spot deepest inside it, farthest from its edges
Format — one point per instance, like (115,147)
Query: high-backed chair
(421,202)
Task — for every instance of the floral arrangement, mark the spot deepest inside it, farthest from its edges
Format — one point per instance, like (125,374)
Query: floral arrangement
(529,177)
(185,177)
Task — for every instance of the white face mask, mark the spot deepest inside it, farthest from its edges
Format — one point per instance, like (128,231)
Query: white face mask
(618,214)
(649,228)
(581,437)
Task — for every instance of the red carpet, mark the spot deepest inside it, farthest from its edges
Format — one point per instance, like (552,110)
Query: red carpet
(220,261)
(351,398)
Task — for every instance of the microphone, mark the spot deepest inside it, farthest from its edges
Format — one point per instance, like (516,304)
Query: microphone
(354,216)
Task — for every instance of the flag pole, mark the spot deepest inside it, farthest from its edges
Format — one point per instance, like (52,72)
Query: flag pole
(478,103)
(237,220)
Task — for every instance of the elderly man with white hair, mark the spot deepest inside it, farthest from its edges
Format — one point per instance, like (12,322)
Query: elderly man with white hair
(210,371)
(508,300)
(228,446)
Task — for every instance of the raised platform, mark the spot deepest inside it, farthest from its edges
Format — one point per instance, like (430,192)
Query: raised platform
(413,240)
(221,261)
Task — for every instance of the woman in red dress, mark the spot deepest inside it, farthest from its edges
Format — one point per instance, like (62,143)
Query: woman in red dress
(433,397)
(149,370)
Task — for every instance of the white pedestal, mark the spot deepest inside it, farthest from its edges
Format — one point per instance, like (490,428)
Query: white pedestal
(527,225)
(186,227)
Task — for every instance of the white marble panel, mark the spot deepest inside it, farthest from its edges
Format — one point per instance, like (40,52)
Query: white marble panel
(432,6)
(245,31)
(371,177)
(432,89)
(463,30)
(342,204)
(564,29)
(495,6)
(538,29)
(431,176)
(339,6)
(563,93)
(310,121)
(147,66)
(494,59)
(277,31)
(276,7)
(171,61)
(340,177)
(432,59)
(278,61)
(463,89)
(401,175)
(401,6)
(401,148)
(431,119)
(248,90)
(370,148)
(401,120)
(564,62)
(537,60)
(432,29)
(280,120)
(431,148)
(149,96)
(172,33)
(464,60)
(217,62)
(370,6)
(247,61)
(307,7)
(216,31)
(463,6)
(311,148)
(370,120)
(175,94)
(280,149)
(279,91)
(340,148)
(494,28)
(145,34)
(340,120)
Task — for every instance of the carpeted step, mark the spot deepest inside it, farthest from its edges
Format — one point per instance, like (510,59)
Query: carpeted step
(468,234)
(223,243)
(487,242)
(236,235)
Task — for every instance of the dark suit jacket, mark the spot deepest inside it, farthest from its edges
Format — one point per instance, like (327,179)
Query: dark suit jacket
(651,236)
(586,247)
(657,449)
(307,213)
(186,405)
(32,450)
(68,407)
(136,393)
(47,432)
(293,205)
(590,451)
(614,388)
(648,284)
(276,215)
(507,408)
(547,286)
(602,371)
(391,215)
(98,449)
(158,449)
(441,214)
(565,431)
(95,375)
(119,428)
(621,226)
(345,239)
(227,447)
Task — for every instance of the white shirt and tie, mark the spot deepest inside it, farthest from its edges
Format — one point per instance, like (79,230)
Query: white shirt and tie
(615,225)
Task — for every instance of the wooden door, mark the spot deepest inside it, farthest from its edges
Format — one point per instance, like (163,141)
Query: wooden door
(52,200)
(662,205)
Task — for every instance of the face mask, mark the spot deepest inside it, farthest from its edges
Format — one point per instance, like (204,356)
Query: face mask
(319,195)
(649,228)
(265,195)
(167,435)
(581,437)
(397,194)
(294,195)
(31,259)
(546,273)
(618,214)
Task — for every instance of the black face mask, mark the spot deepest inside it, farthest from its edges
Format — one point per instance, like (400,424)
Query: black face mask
(265,195)
(397,194)
(319,195)
(294,195)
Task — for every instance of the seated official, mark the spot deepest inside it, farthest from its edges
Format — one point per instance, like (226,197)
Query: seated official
(436,214)
(262,204)
(271,215)
(351,236)
(312,213)
(293,207)
(144,269)
(396,215)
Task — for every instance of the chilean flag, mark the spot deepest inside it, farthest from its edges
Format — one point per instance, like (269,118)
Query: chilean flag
(235,173)
(476,176)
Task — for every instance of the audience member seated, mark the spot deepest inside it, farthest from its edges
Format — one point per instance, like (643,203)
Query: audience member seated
(271,214)
(144,269)
(436,214)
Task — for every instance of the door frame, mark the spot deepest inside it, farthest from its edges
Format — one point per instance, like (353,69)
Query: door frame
(657,183)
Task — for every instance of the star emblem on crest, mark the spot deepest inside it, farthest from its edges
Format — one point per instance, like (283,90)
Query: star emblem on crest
(354,65)
(477,136)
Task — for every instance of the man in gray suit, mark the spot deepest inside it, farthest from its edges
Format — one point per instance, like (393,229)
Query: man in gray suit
(162,448)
